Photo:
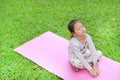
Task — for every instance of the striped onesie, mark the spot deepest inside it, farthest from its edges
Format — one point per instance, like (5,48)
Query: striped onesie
(82,55)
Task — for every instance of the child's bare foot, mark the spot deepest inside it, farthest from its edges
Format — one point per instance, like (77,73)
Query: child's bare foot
(95,67)
(75,69)
(93,73)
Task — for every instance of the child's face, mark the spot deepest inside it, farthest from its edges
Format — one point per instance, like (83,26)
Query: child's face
(79,30)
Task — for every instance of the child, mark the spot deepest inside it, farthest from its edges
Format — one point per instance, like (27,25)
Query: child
(82,52)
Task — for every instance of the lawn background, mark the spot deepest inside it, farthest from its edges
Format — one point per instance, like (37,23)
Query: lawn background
(22,20)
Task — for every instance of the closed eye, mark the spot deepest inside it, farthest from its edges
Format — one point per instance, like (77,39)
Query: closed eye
(78,29)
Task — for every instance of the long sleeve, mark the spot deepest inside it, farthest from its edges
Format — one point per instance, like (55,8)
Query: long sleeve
(92,49)
(78,54)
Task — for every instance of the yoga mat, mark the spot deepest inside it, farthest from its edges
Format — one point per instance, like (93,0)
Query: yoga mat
(50,51)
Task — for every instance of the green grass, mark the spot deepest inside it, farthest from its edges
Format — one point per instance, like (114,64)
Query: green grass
(22,20)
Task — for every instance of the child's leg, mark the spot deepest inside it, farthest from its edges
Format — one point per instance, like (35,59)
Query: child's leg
(88,55)
(76,63)
(99,53)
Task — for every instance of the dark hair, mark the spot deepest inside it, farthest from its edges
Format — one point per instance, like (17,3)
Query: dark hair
(71,25)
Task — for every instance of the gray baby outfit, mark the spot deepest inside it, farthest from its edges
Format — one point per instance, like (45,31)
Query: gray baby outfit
(81,55)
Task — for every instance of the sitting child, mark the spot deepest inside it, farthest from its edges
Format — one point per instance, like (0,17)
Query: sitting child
(82,52)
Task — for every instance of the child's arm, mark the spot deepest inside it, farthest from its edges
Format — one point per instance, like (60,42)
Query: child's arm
(92,49)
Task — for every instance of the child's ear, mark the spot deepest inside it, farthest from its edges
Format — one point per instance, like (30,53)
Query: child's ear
(73,34)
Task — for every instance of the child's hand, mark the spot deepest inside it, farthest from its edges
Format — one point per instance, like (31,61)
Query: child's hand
(93,73)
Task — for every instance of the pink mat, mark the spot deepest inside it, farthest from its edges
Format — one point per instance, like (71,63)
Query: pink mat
(50,51)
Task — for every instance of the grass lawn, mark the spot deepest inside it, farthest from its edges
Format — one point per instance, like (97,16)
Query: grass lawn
(22,20)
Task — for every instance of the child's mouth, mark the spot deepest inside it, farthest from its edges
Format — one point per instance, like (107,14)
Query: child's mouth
(83,32)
